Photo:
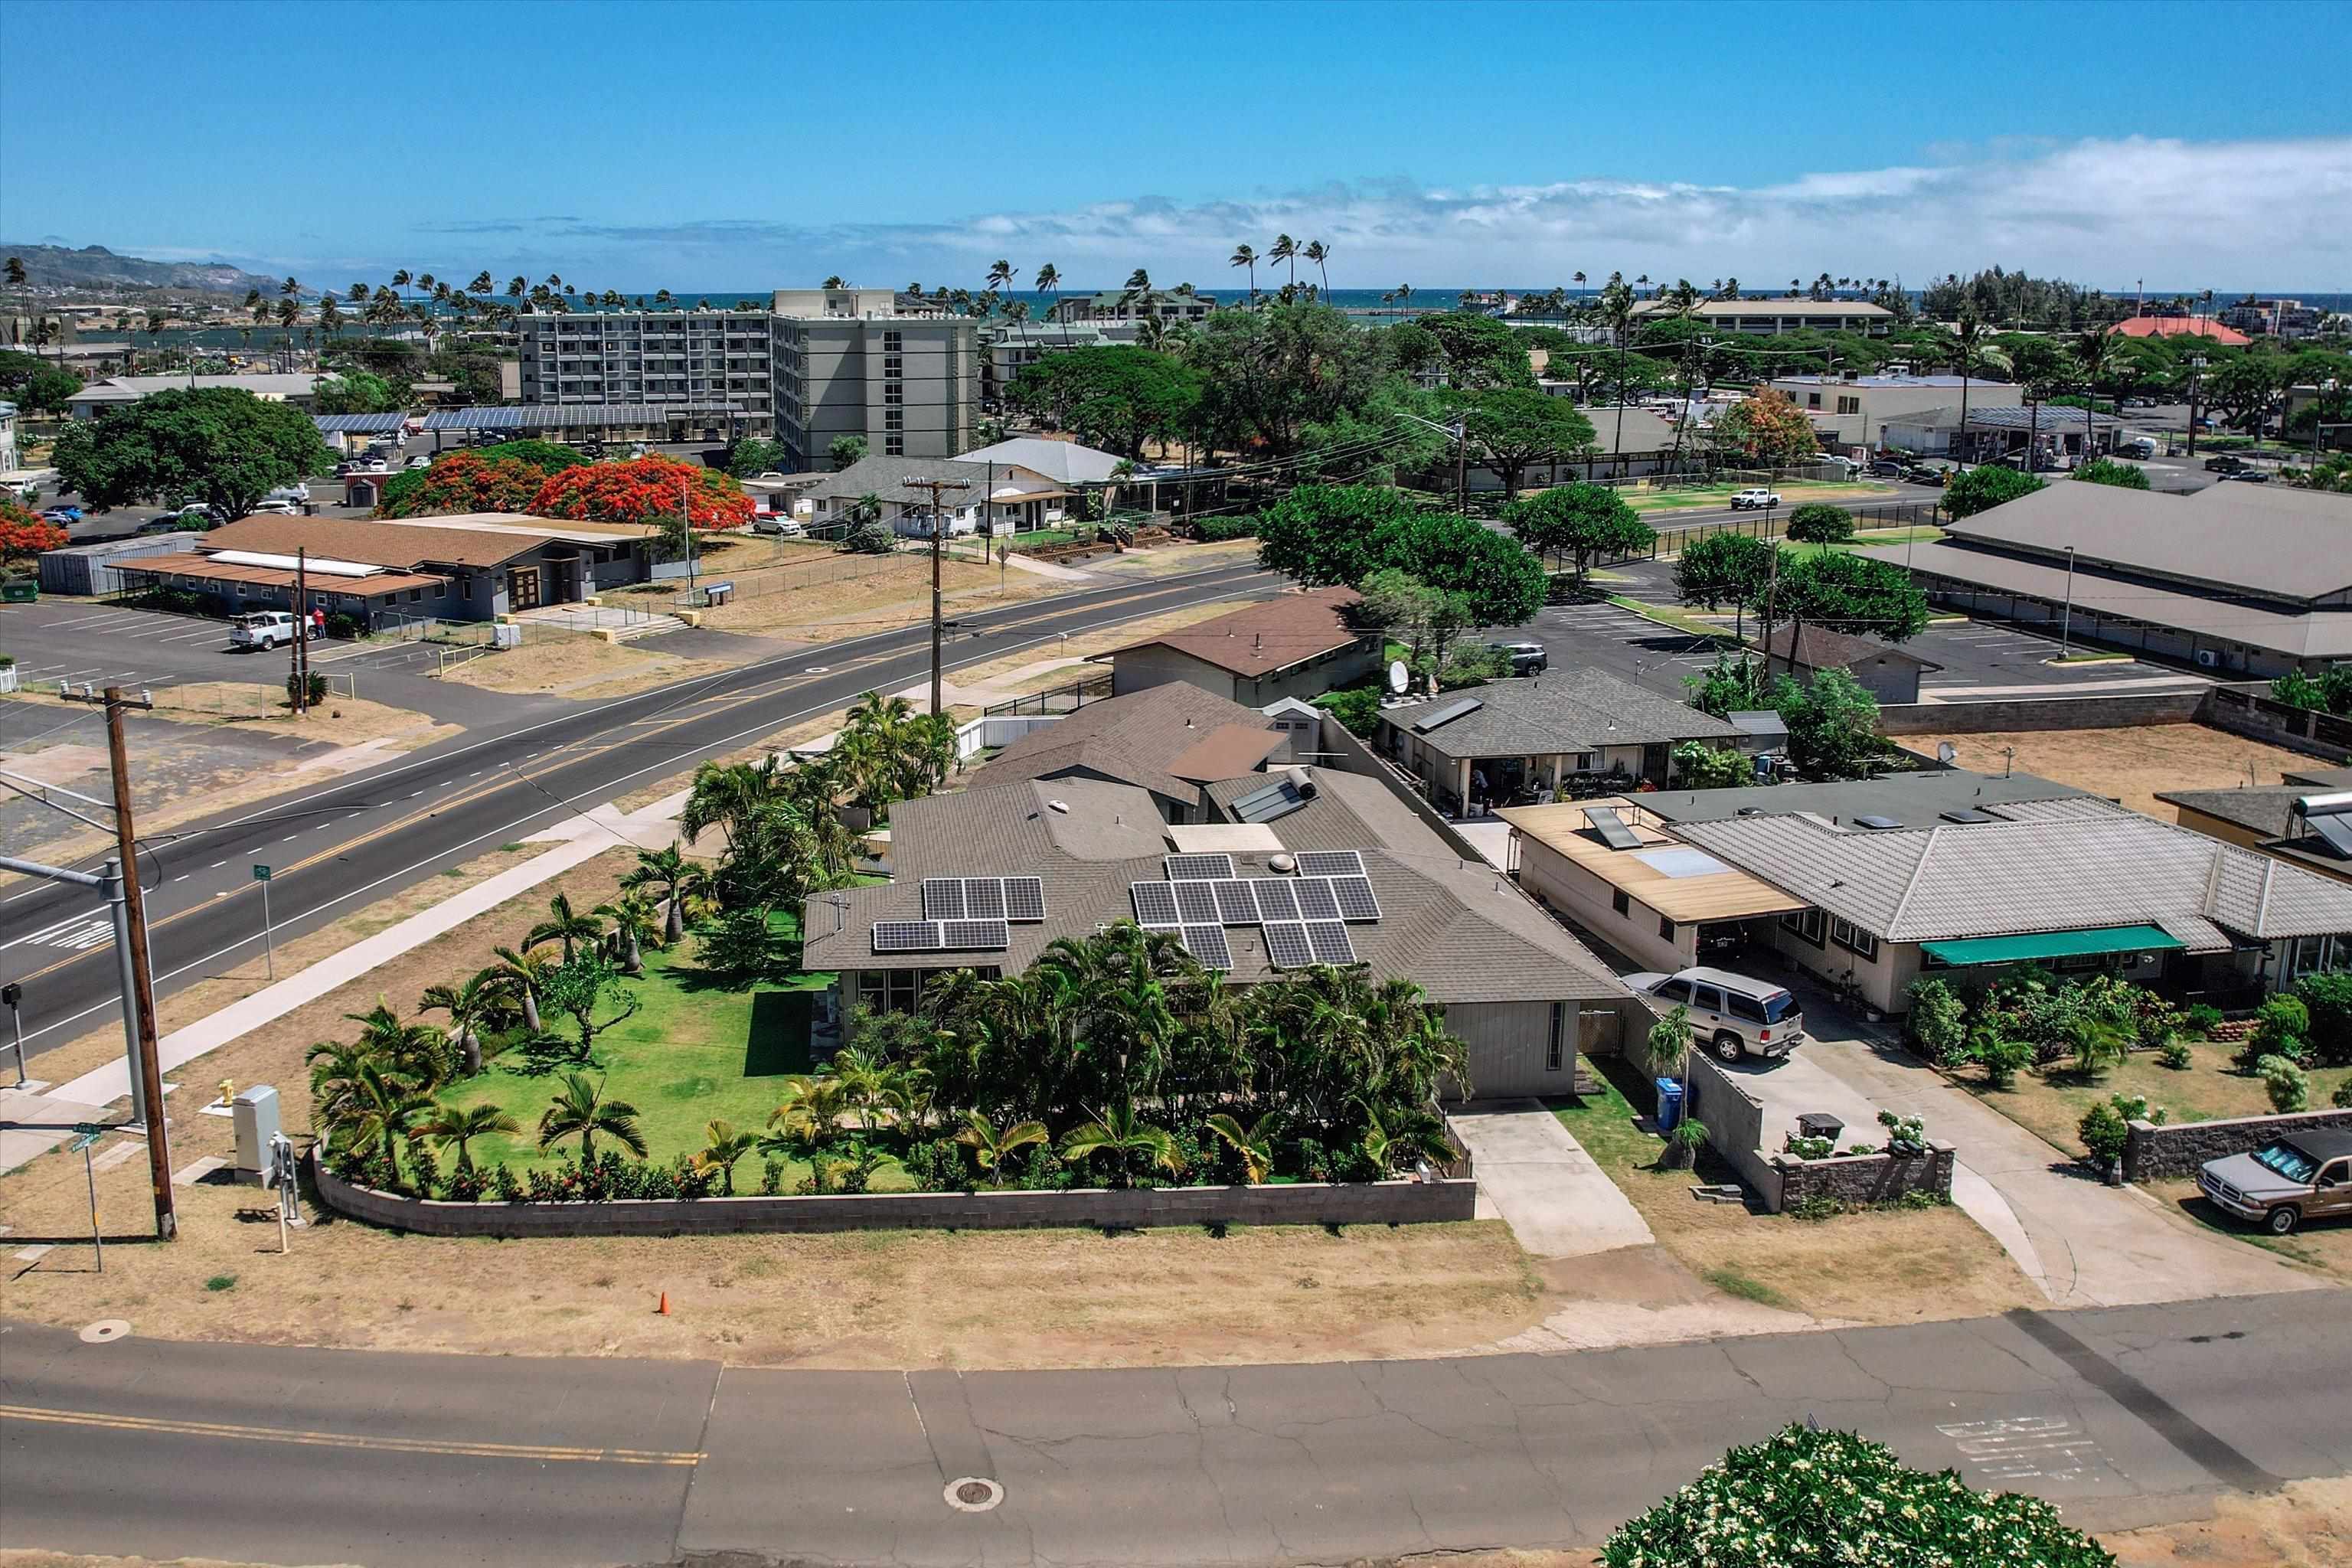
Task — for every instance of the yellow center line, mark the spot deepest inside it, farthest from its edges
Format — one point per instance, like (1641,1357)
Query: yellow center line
(351,1439)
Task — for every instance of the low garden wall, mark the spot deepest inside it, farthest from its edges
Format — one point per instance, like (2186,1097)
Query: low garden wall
(2055,712)
(1353,1203)
(1734,1119)
(2153,1154)
(1863,1178)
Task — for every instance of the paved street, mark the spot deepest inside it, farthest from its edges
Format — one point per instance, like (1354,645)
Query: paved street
(274,1454)
(371,834)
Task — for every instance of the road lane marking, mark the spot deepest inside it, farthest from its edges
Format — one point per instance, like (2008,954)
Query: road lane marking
(541,1452)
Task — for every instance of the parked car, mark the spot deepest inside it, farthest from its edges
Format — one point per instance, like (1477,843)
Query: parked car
(2140,446)
(419,461)
(61,515)
(2249,477)
(1754,499)
(1888,468)
(778,526)
(274,509)
(297,493)
(1731,1016)
(2306,1175)
(261,630)
(2226,463)
(1527,658)
(1920,474)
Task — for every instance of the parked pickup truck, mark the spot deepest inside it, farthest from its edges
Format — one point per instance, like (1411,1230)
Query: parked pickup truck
(2306,1175)
(262,629)
(1754,499)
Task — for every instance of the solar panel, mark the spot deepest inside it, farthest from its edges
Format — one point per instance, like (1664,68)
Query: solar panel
(1277,799)
(983,898)
(2335,832)
(1604,820)
(1208,944)
(1275,899)
(906,936)
(1199,867)
(1331,863)
(1025,899)
(1446,715)
(1155,902)
(964,936)
(1236,905)
(1356,900)
(943,899)
(1328,940)
(1196,902)
(1287,946)
(1315,899)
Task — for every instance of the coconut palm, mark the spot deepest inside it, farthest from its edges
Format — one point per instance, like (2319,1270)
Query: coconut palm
(1138,287)
(455,1126)
(419,1051)
(1315,251)
(725,1146)
(1000,276)
(1121,1133)
(992,1146)
(1245,256)
(1254,1143)
(520,976)
(469,1004)
(1285,249)
(580,1110)
(2095,353)
(563,924)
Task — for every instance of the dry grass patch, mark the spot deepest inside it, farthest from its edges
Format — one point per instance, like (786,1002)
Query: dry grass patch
(2048,1101)
(2126,764)
(576,664)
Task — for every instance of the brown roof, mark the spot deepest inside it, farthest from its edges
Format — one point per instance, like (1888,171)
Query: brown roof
(1824,649)
(1136,738)
(213,570)
(1285,630)
(376,543)
(1226,752)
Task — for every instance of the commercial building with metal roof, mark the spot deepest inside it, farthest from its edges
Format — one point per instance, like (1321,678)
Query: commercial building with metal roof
(117,390)
(1776,316)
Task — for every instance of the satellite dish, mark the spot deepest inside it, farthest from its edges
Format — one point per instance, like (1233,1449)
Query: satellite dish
(1398,676)
(1945,753)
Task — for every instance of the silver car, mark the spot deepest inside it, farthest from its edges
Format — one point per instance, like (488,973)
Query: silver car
(1731,1016)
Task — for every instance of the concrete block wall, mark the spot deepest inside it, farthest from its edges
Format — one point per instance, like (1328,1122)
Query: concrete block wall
(2114,712)
(1863,1178)
(1358,1202)
(2154,1154)
(1735,1125)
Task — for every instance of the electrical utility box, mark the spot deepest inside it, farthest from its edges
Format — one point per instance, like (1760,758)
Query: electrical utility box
(256,1113)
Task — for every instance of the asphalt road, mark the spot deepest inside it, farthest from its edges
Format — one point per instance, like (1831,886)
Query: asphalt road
(371,834)
(2124,1416)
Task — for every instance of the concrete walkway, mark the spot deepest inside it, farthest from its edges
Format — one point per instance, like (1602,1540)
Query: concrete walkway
(1020,563)
(1555,1197)
(2096,1246)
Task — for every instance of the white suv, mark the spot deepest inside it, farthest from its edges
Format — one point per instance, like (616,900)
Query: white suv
(1756,498)
(1731,1016)
(263,629)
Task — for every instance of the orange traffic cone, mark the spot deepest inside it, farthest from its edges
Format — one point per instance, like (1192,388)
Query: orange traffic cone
(664,1308)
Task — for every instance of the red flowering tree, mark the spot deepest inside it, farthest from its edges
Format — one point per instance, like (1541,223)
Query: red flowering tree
(23,535)
(460,483)
(643,489)
(1765,428)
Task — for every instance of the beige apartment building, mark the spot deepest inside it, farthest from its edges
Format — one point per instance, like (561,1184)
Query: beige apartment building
(852,363)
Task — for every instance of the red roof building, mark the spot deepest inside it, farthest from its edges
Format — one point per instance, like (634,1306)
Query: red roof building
(2181,326)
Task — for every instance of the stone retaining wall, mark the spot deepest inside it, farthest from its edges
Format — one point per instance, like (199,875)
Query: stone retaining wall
(1354,1203)
(2153,1154)
(1863,1178)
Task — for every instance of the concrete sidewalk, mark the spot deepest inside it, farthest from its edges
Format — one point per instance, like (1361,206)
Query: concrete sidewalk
(1555,1197)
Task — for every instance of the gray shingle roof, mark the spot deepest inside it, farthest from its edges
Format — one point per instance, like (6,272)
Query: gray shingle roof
(2097,868)
(1569,711)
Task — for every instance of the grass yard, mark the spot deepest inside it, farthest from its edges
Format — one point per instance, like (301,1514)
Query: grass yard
(1890,1265)
(1795,492)
(1677,616)
(698,1049)
(2048,1101)
(1879,538)
(2322,1243)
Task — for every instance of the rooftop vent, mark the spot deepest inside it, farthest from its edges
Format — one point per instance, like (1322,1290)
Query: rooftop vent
(1282,862)
(1967,816)
(1061,806)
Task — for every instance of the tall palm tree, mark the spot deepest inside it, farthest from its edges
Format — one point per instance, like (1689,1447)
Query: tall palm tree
(520,976)
(468,1003)
(1245,256)
(1578,279)
(563,924)
(992,1146)
(725,1148)
(580,1110)
(2095,353)
(1403,295)
(1285,249)
(633,921)
(1967,332)
(1138,287)
(455,1126)
(1000,276)
(668,869)
(1319,253)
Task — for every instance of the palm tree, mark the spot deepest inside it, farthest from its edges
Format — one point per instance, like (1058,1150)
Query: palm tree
(380,1107)
(520,976)
(563,924)
(1119,1132)
(1319,253)
(1285,249)
(419,1051)
(725,1148)
(808,1121)
(1391,1150)
(1403,295)
(2095,352)
(668,869)
(468,1003)
(1000,276)
(633,921)
(579,1110)
(455,1126)
(1254,1143)
(1245,256)
(1049,281)
(1968,331)
(334,1073)
(991,1147)
(1578,279)
(1138,287)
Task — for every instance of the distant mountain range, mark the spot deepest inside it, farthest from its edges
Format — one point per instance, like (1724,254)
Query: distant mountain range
(96,267)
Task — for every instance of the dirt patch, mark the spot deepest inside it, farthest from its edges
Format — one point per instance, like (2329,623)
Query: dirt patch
(2128,764)
(574,663)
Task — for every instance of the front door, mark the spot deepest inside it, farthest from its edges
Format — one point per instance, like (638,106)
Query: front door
(523,588)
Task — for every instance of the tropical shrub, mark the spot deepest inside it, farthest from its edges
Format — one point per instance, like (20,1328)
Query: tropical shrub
(1938,1021)
(23,535)
(2342,1099)
(1810,1499)
(2173,1054)
(2326,999)
(2281,1028)
(1698,765)
(1211,529)
(2001,1057)
(1818,522)
(2201,1018)
(2284,1080)
(869,539)
(2105,1128)
(1358,709)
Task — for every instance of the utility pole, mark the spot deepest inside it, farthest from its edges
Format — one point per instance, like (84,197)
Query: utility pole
(1461,466)
(939,543)
(2196,364)
(301,649)
(149,1066)
(685,516)
(2066,623)
(1772,582)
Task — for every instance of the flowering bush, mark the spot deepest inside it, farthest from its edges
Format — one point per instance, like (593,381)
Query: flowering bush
(1906,1135)
(23,535)
(643,489)
(463,482)
(1805,1499)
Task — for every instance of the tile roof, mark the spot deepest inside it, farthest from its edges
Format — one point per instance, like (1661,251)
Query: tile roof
(1270,635)
(2180,326)
(1563,710)
(1135,739)
(1997,879)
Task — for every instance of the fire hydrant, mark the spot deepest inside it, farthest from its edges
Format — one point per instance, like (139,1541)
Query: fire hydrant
(228,1091)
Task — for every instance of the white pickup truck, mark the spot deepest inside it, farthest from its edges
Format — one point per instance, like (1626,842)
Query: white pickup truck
(1755,500)
(262,629)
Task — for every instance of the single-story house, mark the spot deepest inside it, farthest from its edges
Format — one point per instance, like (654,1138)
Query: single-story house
(1293,645)
(1170,742)
(1523,739)
(473,566)
(1884,671)
(2297,822)
(1298,866)
(992,485)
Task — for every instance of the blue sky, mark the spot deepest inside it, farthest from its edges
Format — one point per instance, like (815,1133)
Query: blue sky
(633,146)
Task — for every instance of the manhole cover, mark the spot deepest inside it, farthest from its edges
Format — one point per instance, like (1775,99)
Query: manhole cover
(104,1330)
(973,1494)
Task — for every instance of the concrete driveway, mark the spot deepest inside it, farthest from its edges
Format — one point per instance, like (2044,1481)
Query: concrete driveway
(1554,1198)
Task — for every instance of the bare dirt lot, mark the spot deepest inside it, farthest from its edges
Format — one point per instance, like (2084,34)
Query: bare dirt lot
(574,663)
(2130,765)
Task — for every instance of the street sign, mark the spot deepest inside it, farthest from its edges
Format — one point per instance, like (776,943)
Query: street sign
(261,873)
(726,587)
(84,1140)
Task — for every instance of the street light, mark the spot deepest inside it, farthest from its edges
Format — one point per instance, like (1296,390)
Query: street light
(2066,623)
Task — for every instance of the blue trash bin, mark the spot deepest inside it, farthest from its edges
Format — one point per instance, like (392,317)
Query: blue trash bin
(1670,1104)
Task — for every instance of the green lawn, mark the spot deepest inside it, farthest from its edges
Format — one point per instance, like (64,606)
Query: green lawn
(2048,1101)
(1879,538)
(1675,616)
(697,1048)
(1795,492)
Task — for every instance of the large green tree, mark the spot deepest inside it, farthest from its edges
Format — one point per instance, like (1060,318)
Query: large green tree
(1833,724)
(1846,592)
(1724,569)
(1116,398)
(1475,352)
(357,392)
(1985,487)
(1341,534)
(1512,427)
(1579,524)
(1269,373)
(217,445)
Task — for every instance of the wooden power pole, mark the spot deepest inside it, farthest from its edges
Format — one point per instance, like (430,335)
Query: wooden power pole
(142,986)
(938,544)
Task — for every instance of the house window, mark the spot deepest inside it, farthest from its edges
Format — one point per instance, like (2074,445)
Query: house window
(1813,400)
(1849,406)
(890,990)
(1806,926)
(1666,928)
(1619,904)
(1558,1028)
(1854,939)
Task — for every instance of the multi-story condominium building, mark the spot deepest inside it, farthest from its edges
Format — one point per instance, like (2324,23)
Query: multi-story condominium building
(1116,305)
(1007,347)
(1771,317)
(852,362)
(708,369)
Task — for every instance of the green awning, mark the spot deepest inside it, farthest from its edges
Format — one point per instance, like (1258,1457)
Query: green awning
(2053,944)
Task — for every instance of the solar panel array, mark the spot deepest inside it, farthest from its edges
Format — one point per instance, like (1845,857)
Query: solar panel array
(1287,946)
(906,936)
(1018,899)
(1275,800)
(1331,863)
(358,424)
(1207,943)
(1196,902)
(568,415)
(1316,901)
(1328,938)
(1155,902)
(970,936)
(1197,868)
